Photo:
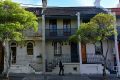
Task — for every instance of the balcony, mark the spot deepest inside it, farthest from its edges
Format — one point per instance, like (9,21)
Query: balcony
(31,33)
(59,33)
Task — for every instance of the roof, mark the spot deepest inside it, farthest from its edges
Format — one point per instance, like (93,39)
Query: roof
(116,10)
(118,30)
(67,11)
(35,10)
(73,10)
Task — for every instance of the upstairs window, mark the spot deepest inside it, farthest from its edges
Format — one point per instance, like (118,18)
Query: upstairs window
(30,48)
(66,26)
(53,25)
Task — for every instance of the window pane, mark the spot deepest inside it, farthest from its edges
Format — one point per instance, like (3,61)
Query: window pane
(52,24)
(66,27)
(57,48)
(66,24)
(30,49)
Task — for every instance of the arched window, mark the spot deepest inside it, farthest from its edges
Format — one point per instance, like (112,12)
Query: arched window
(30,48)
(13,44)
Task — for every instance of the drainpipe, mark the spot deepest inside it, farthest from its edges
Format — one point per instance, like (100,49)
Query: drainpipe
(116,46)
(79,44)
(44,6)
(43,43)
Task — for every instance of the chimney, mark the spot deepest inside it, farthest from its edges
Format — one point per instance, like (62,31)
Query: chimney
(97,3)
(44,4)
(118,4)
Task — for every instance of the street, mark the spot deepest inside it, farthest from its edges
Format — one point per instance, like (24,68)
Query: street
(57,77)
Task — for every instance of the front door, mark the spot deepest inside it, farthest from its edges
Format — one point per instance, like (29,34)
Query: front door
(83,51)
(1,58)
(74,52)
(13,55)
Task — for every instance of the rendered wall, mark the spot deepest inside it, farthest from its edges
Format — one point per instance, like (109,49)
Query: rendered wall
(24,59)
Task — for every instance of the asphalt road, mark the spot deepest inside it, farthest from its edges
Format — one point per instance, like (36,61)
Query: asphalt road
(57,77)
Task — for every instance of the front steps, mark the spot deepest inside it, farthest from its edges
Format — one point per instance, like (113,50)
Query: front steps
(31,68)
(36,67)
(20,69)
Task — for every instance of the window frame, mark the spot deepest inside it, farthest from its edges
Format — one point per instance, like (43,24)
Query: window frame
(66,26)
(53,25)
(57,48)
(31,49)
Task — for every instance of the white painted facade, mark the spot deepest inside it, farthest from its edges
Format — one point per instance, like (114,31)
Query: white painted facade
(65,51)
(90,50)
(23,60)
(28,63)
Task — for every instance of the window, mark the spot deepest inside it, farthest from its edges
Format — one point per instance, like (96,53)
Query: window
(98,48)
(57,48)
(30,48)
(66,26)
(53,26)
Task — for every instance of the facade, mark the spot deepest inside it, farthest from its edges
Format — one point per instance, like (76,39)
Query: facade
(44,49)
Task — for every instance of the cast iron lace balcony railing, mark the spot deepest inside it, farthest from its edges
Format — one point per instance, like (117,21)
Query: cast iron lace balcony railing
(59,33)
(31,33)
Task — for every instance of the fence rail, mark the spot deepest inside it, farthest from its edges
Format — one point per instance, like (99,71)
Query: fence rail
(92,58)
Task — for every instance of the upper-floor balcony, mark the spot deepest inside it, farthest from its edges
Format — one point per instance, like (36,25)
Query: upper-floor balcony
(32,33)
(59,33)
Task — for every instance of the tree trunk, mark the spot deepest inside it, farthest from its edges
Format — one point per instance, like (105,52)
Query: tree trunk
(105,63)
(6,58)
(104,71)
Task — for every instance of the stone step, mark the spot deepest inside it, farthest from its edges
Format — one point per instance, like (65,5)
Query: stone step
(36,67)
(20,69)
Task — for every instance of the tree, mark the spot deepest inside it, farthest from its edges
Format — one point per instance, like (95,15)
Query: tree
(100,27)
(14,20)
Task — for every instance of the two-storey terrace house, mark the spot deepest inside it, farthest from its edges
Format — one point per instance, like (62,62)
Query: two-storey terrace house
(59,24)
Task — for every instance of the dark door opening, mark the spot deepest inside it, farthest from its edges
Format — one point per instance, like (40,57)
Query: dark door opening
(13,49)
(1,58)
(74,52)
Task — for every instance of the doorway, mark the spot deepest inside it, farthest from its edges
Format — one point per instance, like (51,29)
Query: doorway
(1,58)
(83,51)
(74,52)
(13,53)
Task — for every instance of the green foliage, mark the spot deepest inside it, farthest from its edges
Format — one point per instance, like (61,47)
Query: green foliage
(87,32)
(99,28)
(106,25)
(14,20)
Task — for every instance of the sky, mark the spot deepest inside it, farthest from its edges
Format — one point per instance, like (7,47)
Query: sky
(65,3)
